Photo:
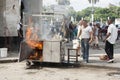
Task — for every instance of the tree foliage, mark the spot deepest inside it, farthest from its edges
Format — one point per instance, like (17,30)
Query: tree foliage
(99,13)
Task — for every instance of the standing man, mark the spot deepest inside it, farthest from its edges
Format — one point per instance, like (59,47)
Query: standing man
(86,34)
(20,34)
(110,40)
(95,34)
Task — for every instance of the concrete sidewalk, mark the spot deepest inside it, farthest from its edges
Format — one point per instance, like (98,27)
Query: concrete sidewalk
(11,57)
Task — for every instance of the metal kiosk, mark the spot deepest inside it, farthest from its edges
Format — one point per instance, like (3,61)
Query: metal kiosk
(35,50)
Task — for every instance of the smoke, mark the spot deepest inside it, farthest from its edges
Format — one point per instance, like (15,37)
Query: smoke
(50,32)
(63,2)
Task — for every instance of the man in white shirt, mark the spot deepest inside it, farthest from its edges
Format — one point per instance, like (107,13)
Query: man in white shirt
(86,34)
(110,40)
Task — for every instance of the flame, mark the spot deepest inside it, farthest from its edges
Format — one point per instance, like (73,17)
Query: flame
(36,56)
(32,40)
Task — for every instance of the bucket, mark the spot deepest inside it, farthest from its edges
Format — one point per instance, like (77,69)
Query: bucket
(76,44)
(3,52)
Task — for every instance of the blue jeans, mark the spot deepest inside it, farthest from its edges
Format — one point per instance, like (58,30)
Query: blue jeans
(85,49)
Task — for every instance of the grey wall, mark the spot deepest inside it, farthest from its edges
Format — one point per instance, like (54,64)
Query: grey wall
(2,19)
(9,17)
(33,6)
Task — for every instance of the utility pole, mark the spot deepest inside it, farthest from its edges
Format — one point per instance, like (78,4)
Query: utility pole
(92,15)
(92,12)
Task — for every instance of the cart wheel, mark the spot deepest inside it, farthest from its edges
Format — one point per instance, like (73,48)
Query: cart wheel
(36,63)
(28,64)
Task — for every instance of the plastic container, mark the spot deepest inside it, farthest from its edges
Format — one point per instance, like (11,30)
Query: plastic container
(76,44)
(3,52)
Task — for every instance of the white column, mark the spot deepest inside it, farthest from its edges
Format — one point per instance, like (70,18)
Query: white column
(92,15)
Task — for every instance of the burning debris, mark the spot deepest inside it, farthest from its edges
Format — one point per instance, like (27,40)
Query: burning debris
(32,40)
(31,47)
(45,45)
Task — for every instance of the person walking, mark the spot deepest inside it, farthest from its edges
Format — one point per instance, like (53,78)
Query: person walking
(110,40)
(95,34)
(86,34)
(71,26)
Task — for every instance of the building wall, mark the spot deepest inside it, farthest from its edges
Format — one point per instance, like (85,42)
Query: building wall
(10,14)
(9,17)
(2,19)
(33,6)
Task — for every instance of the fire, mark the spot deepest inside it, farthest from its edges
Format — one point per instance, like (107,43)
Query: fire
(36,56)
(32,40)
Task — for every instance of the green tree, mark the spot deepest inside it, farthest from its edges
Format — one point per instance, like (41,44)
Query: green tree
(72,12)
(99,13)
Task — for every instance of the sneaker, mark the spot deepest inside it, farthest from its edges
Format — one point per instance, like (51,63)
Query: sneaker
(110,61)
(85,61)
(98,49)
(107,59)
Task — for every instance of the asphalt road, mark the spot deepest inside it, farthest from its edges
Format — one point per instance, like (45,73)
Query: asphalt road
(17,71)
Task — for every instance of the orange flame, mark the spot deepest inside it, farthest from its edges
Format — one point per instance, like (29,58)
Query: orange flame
(32,40)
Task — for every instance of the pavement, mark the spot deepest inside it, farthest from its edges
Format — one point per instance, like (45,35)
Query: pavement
(11,57)
(94,60)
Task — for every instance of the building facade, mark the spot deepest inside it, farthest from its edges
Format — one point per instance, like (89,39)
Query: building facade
(9,17)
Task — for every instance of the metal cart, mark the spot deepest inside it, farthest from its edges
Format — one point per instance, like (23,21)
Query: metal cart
(52,51)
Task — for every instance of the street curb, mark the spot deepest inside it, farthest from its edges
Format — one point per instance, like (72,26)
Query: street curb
(8,60)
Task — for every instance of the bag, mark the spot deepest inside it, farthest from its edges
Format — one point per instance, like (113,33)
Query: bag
(103,57)
(76,43)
